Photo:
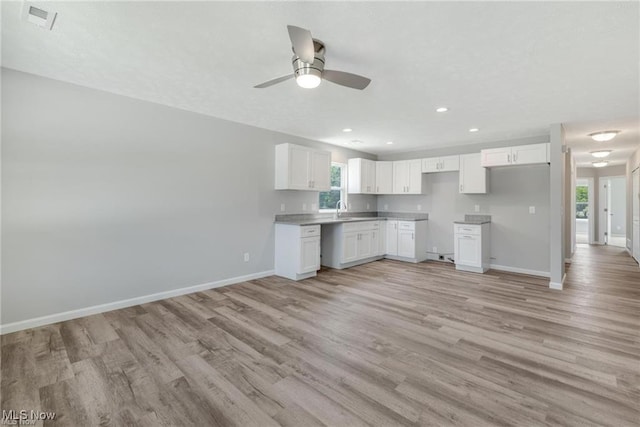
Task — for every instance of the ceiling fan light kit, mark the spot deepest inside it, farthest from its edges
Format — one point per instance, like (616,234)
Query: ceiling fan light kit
(308,64)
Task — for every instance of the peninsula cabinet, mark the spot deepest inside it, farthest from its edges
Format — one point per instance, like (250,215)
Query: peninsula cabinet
(407,177)
(297,254)
(302,168)
(473,177)
(530,154)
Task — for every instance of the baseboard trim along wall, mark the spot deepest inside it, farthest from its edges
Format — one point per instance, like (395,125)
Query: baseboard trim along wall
(556,285)
(520,270)
(88,311)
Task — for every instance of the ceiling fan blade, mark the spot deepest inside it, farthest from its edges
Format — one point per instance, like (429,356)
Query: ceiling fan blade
(302,43)
(273,82)
(353,81)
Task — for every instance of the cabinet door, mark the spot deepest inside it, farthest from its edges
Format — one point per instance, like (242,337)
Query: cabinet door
(473,177)
(354,176)
(309,255)
(321,170)
(431,165)
(365,244)
(467,250)
(382,238)
(392,238)
(495,157)
(370,176)
(406,243)
(384,177)
(400,175)
(349,246)
(414,174)
(299,168)
(449,163)
(529,154)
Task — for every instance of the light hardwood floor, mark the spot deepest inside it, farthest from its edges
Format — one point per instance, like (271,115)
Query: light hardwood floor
(387,343)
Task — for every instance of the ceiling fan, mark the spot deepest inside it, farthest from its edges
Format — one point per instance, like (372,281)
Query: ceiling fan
(308,64)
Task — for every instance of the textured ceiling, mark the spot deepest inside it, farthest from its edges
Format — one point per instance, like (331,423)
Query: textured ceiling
(508,68)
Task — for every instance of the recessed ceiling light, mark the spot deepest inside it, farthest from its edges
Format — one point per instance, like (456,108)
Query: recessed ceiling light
(474,130)
(599,164)
(442,109)
(347,130)
(357,141)
(603,136)
(600,154)
(389,142)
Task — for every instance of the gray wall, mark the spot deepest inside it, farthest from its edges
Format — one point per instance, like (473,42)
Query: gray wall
(632,163)
(107,198)
(519,239)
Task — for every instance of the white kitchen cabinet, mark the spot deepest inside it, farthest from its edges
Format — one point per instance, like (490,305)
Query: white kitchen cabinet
(297,254)
(384,177)
(441,164)
(302,168)
(382,238)
(472,247)
(407,176)
(518,155)
(406,240)
(361,176)
(473,177)
(350,243)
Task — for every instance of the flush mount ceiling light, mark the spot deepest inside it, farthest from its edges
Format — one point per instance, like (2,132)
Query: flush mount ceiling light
(600,154)
(600,164)
(442,110)
(40,17)
(389,142)
(347,130)
(604,136)
(474,130)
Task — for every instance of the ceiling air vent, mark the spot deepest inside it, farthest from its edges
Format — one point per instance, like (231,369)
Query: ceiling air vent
(38,16)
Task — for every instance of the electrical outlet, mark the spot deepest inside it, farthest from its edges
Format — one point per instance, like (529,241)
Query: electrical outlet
(282,207)
(349,206)
(314,206)
(419,207)
(246,257)
(477,208)
(304,206)
(368,206)
(435,249)
(386,207)
(532,210)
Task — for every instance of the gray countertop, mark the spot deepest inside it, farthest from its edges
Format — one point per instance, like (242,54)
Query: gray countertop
(474,219)
(326,219)
(473,222)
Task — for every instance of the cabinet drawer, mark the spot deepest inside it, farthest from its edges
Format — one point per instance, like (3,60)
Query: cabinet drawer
(406,225)
(360,226)
(467,229)
(309,230)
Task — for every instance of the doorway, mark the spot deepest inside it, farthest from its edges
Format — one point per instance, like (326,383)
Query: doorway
(613,211)
(584,226)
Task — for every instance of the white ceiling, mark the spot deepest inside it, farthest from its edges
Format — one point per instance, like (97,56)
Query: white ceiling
(622,146)
(508,68)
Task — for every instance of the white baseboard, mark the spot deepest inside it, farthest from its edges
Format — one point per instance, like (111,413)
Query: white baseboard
(556,285)
(520,270)
(567,260)
(88,311)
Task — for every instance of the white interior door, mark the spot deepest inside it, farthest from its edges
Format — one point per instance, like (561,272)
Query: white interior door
(603,211)
(636,214)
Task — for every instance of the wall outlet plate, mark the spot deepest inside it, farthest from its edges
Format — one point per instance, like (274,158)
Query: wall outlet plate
(477,208)
(386,207)
(282,208)
(435,249)
(314,206)
(246,257)
(304,206)
(532,210)
(368,206)
(419,207)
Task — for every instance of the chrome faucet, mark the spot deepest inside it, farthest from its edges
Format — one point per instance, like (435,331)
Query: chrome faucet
(338,208)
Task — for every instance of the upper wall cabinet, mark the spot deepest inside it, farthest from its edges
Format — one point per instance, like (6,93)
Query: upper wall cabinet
(302,168)
(384,177)
(407,177)
(441,164)
(518,155)
(361,176)
(473,176)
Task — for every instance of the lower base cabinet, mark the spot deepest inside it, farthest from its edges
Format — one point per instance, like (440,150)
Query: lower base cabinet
(472,247)
(348,244)
(406,240)
(297,254)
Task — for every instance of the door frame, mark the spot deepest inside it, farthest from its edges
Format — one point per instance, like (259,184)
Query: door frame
(590,203)
(604,220)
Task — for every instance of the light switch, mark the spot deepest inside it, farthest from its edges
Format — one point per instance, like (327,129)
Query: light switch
(368,206)
(282,207)
(304,206)
(386,207)
(314,206)
(532,210)
(477,208)
(419,207)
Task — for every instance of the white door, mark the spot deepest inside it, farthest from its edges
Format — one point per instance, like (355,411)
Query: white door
(449,163)
(431,165)
(299,164)
(321,170)
(392,238)
(384,177)
(603,210)
(349,247)
(467,250)
(406,243)
(400,177)
(473,177)
(636,214)
(309,254)
(365,244)
(414,176)
(529,154)
(495,157)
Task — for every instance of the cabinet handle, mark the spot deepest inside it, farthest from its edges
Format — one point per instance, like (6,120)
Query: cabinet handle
(467,237)
(508,158)
(515,158)
(460,188)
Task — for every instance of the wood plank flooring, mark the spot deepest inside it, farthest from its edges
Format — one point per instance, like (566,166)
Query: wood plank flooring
(386,343)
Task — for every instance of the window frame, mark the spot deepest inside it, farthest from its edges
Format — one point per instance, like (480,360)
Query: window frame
(342,188)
